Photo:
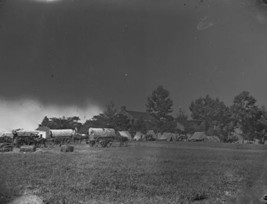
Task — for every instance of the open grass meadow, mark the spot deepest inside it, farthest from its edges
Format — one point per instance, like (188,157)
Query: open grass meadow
(143,172)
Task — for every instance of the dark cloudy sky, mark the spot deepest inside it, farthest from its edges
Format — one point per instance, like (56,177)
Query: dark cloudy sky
(76,53)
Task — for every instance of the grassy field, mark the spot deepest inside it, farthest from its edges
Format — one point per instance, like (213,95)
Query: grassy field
(146,172)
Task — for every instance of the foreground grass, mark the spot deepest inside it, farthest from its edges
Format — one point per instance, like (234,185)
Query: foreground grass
(140,173)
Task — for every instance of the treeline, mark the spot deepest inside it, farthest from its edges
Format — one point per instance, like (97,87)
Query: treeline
(221,120)
(208,114)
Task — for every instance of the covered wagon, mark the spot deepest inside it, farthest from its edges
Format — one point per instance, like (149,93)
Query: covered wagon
(61,136)
(104,137)
(6,137)
(6,141)
(27,137)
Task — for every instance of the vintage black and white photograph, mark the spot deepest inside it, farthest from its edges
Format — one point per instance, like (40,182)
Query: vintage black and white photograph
(133,101)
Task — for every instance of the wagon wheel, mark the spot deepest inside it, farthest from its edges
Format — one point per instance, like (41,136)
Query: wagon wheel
(104,142)
(110,143)
(92,143)
(98,142)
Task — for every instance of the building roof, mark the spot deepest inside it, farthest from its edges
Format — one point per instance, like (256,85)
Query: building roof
(135,114)
(140,115)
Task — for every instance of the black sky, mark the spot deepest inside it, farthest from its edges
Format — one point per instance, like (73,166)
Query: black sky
(75,52)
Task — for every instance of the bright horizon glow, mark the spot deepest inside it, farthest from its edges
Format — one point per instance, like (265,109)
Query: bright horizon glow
(46,1)
(28,113)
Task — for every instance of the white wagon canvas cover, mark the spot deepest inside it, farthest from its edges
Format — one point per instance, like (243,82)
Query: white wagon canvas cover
(103,132)
(62,132)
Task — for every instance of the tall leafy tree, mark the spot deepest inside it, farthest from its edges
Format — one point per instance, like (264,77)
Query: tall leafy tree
(108,119)
(105,119)
(159,105)
(213,112)
(61,122)
(246,114)
(182,117)
(45,122)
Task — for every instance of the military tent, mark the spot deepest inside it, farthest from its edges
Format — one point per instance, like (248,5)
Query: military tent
(152,134)
(158,136)
(212,139)
(138,136)
(197,137)
(167,136)
(125,134)
(103,132)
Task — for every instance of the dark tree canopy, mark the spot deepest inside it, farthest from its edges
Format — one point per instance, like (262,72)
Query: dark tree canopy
(105,119)
(246,114)
(213,112)
(181,117)
(159,105)
(108,119)
(61,123)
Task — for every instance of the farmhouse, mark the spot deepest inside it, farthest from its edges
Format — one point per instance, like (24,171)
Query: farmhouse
(134,116)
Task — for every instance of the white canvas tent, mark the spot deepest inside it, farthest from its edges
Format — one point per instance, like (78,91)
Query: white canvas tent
(197,137)
(125,134)
(167,136)
(212,139)
(138,136)
(151,133)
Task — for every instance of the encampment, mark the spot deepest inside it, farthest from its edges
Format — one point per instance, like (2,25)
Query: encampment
(125,134)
